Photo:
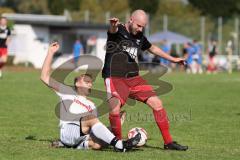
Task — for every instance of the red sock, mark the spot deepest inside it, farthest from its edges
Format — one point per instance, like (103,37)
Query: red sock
(115,122)
(162,122)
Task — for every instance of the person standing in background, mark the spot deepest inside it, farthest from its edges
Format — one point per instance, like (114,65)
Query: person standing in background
(196,57)
(167,49)
(212,51)
(185,55)
(199,52)
(77,51)
(4,41)
(191,52)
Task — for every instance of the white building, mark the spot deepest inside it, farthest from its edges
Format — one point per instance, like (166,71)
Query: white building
(31,35)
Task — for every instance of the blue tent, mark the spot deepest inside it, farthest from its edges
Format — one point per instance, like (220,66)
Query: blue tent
(171,37)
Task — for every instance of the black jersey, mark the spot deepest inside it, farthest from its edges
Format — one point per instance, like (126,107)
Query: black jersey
(4,33)
(122,51)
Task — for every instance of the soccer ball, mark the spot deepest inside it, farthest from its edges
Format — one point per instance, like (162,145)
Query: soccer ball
(132,132)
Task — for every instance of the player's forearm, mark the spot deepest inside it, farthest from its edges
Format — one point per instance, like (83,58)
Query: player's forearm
(113,29)
(46,69)
(113,25)
(157,51)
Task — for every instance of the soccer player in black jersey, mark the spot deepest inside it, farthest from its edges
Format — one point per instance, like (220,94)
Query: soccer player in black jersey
(4,41)
(121,74)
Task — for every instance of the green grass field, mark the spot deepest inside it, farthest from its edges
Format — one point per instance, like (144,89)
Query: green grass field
(204,111)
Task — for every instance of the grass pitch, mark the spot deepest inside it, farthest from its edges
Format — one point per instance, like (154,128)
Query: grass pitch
(204,113)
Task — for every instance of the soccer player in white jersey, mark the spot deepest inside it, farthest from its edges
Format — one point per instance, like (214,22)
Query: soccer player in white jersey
(78,115)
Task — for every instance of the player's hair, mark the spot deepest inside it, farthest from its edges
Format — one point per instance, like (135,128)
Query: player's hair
(3,17)
(80,77)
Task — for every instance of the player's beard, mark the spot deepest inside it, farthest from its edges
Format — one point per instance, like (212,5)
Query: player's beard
(131,29)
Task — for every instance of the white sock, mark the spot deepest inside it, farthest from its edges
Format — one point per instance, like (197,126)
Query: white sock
(119,144)
(101,132)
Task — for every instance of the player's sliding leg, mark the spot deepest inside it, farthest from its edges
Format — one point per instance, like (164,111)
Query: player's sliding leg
(161,119)
(100,131)
(87,144)
(114,116)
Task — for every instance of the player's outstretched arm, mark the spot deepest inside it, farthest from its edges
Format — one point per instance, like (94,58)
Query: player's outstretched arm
(46,69)
(157,51)
(113,25)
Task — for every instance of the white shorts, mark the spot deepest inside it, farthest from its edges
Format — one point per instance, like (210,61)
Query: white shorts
(71,136)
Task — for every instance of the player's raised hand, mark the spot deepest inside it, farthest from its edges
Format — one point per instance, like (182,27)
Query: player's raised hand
(114,21)
(53,47)
(113,24)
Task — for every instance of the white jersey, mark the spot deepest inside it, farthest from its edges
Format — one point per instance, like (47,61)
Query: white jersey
(73,106)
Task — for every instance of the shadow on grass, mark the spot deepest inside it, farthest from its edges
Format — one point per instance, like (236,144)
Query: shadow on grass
(34,138)
(152,147)
(105,149)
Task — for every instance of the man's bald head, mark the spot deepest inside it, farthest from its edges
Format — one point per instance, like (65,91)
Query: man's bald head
(138,21)
(140,15)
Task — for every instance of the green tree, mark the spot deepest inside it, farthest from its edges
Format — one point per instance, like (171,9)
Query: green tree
(117,8)
(56,6)
(11,4)
(182,18)
(91,5)
(33,6)
(94,8)
(224,8)
(5,10)
(149,6)
(98,8)
(72,5)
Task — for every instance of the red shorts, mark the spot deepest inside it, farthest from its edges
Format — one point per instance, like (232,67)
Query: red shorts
(134,88)
(3,52)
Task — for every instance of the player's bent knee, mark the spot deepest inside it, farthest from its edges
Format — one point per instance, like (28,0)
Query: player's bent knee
(93,121)
(114,102)
(115,111)
(114,105)
(89,121)
(155,103)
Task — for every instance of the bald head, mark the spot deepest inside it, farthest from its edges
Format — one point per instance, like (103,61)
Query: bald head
(140,15)
(138,21)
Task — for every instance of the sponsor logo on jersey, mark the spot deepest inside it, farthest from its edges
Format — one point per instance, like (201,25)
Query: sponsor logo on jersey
(132,51)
